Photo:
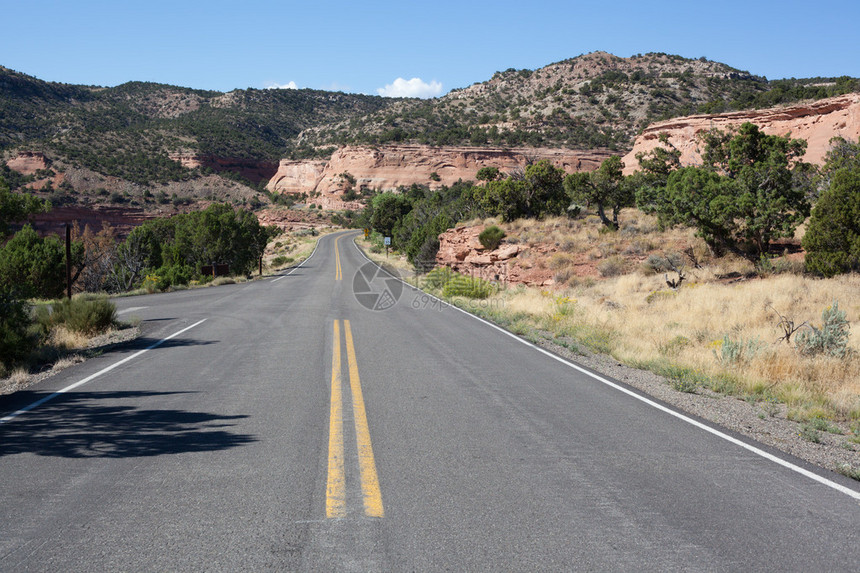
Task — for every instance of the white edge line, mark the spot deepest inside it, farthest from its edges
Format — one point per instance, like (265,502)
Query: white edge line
(298,266)
(132,309)
(786,464)
(91,377)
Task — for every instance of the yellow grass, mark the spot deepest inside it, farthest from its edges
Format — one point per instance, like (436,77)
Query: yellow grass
(687,328)
(641,321)
(63,338)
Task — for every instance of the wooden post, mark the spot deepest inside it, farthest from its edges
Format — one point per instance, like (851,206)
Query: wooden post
(69,261)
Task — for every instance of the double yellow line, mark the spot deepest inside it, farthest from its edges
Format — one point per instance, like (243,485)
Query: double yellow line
(336,505)
(338,272)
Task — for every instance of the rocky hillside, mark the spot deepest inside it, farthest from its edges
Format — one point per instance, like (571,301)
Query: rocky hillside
(140,132)
(816,122)
(157,147)
(594,100)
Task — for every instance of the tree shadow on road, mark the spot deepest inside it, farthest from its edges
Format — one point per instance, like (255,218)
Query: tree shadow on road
(107,425)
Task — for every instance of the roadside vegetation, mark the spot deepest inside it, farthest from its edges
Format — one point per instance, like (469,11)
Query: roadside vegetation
(217,245)
(693,273)
(40,336)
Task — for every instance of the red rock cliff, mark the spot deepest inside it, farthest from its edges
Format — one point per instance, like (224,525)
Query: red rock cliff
(816,122)
(389,167)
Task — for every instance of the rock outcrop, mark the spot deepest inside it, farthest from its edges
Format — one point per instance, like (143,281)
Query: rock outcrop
(816,122)
(28,162)
(390,167)
(461,250)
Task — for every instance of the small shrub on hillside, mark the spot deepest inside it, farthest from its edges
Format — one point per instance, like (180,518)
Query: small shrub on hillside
(612,267)
(656,264)
(674,346)
(830,339)
(491,237)
(559,261)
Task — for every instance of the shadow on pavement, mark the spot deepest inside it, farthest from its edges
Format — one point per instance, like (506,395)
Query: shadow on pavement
(107,425)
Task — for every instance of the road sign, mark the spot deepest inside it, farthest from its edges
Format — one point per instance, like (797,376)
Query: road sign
(387,241)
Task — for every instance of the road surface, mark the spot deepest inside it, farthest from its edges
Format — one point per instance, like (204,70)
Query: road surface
(329,420)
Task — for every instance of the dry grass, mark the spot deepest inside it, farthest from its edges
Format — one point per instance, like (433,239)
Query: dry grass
(63,338)
(641,322)
(633,315)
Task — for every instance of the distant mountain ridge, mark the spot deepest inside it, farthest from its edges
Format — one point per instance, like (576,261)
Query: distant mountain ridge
(150,134)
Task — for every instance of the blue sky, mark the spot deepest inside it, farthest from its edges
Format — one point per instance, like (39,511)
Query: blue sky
(415,48)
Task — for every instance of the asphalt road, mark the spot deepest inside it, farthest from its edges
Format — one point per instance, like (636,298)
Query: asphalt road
(317,422)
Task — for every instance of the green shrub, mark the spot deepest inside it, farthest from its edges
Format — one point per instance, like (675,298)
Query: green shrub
(469,287)
(34,266)
(491,237)
(832,241)
(439,277)
(85,316)
(174,275)
(15,343)
(732,352)
(830,339)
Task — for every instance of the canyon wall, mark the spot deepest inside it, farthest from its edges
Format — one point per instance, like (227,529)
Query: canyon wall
(816,122)
(251,169)
(392,166)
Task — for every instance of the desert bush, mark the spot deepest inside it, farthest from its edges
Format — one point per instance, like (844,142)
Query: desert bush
(491,237)
(656,264)
(732,352)
(830,339)
(613,266)
(80,315)
(559,261)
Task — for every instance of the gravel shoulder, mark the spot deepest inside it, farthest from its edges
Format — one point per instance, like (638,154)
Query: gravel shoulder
(97,345)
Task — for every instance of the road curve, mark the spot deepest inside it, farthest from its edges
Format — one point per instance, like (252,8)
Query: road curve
(333,419)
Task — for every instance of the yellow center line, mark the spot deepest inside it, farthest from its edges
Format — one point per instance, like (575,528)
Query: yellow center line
(367,465)
(336,487)
(338,273)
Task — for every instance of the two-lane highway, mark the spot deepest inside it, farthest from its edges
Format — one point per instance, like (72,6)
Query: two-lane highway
(332,420)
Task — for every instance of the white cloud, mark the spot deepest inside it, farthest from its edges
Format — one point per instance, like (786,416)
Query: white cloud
(416,87)
(287,86)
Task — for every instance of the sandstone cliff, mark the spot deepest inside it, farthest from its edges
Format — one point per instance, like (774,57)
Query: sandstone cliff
(390,167)
(816,122)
